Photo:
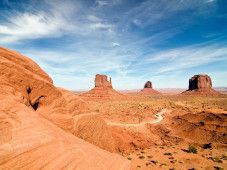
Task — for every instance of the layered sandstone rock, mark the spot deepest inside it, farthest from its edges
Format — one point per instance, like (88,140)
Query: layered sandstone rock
(31,107)
(101,81)
(200,84)
(103,89)
(148,89)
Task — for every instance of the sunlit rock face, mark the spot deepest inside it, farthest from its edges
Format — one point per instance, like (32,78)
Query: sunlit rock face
(200,82)
(102,81)
(103,89)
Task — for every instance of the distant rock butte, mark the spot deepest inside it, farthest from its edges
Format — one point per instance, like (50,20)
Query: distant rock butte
(200,84)
(101,81)
(103,89)
(148,84)
(148,89)
(36,118)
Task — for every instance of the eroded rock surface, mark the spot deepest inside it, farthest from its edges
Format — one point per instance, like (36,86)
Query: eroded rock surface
(101,81)
(200,84)
(34,118)
(103,89)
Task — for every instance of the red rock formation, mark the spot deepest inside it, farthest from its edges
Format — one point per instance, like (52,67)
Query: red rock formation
(101,81)
(200,84)
(32,111)
(148,84)
(103,89)
(148,89)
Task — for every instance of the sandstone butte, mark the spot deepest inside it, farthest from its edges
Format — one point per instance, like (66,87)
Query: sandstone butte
(200,84)
(103,89)
(38,120)
(148,89)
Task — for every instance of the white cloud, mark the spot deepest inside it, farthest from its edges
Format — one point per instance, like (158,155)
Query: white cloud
(186,57)
(30,26)
(115,44)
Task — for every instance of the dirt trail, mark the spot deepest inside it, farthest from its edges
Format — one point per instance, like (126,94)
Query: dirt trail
(159,116)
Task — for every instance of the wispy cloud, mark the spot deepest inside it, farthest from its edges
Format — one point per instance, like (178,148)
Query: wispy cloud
(186,57)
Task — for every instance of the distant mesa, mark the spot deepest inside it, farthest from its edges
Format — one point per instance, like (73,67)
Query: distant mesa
(200,84)
(101,81)
(148,84)
(103,89)
(148,89)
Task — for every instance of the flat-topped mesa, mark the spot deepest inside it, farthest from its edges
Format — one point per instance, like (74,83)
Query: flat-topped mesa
(200,82)
(148,89)
(102,81)
(103,89)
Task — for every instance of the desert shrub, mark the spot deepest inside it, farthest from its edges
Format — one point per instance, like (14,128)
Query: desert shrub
(218,168)
(141,157)
(192,149)
(201,123)
(168,153)
(154,162)
(149,156)
(129,158)
(216,159)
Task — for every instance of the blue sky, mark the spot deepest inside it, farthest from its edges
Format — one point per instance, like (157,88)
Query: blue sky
(165,41)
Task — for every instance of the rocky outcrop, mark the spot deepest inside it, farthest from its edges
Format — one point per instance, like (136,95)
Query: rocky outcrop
(94,130)
(101,81)
(148,84)
(36,118)
(103,89)
(200,84)
(148,89)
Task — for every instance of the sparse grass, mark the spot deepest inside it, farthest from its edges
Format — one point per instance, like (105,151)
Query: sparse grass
(192,149)
(216,159)
(224,157)
(218,168)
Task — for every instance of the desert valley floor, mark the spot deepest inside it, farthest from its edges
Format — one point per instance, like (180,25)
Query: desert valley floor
(47,127)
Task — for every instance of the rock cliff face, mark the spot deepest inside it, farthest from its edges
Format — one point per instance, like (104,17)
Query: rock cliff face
(148,84)
(34,118)
(148,89)
(101,81)
(103,89)
(200,84)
